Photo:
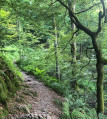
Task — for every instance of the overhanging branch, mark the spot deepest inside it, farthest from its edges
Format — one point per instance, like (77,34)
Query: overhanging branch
(76,21)
(81,26)
(101,15)
(88,8)
(70,40)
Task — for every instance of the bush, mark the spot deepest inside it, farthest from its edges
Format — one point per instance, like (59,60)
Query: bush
(58,87)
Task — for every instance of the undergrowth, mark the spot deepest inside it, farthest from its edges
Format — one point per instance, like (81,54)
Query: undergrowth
(77,104)
(53,83)
(10,78)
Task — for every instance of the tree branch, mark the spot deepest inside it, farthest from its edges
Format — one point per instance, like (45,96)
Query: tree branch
(81,26)
(88,8)
(70,40)
(101,15)
(76,21)
(88,61)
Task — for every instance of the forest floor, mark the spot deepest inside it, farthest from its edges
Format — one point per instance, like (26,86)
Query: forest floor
(34,101)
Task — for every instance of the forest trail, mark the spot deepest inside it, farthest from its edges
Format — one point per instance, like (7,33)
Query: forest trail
(43,106)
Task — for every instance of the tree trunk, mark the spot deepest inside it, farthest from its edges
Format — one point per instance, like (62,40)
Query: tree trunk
(100,77)
(56,51)
(56,46)
(73,84)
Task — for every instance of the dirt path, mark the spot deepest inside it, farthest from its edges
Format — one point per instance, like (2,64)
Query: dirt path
(43,106)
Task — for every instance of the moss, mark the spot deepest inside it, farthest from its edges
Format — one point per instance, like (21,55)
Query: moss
(8,83)
(9,80)
(16,82)
(1,66)
(3,91)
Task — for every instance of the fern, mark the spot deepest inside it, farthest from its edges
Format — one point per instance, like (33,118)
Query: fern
(66,110)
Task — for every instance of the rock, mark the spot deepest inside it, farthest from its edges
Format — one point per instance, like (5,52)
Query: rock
(24,109)
(48,117)
(22,117)
(20,100)
(32,116)
(43,110)
(40,117)
(10,117)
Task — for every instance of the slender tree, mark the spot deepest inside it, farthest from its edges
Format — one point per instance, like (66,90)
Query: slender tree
(73,84)
(56,45)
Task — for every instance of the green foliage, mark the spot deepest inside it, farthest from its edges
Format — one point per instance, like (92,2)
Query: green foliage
(30,32)
(10,79)
(77,114)
(13,68)
(38,71)
(66,108)
(51,82)
(102,116)
(3,113)
(92,113)
(28,68)
(3,91)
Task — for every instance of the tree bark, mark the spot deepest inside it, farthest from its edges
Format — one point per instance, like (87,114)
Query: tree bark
(56,46)
(74,84)
(100,79)
(100,76)
(56,52)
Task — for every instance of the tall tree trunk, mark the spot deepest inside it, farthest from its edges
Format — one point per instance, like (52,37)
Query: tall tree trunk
(19,38)
(56,51)
(73,84)
(106,17)
(56,46)
(100,76)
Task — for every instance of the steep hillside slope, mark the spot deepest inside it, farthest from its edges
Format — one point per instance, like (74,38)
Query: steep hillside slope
(10,79)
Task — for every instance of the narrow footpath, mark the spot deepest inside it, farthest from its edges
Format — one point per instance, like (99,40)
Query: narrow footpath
(35,101)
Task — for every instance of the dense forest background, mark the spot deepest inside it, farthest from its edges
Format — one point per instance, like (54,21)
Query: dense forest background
(64,44)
